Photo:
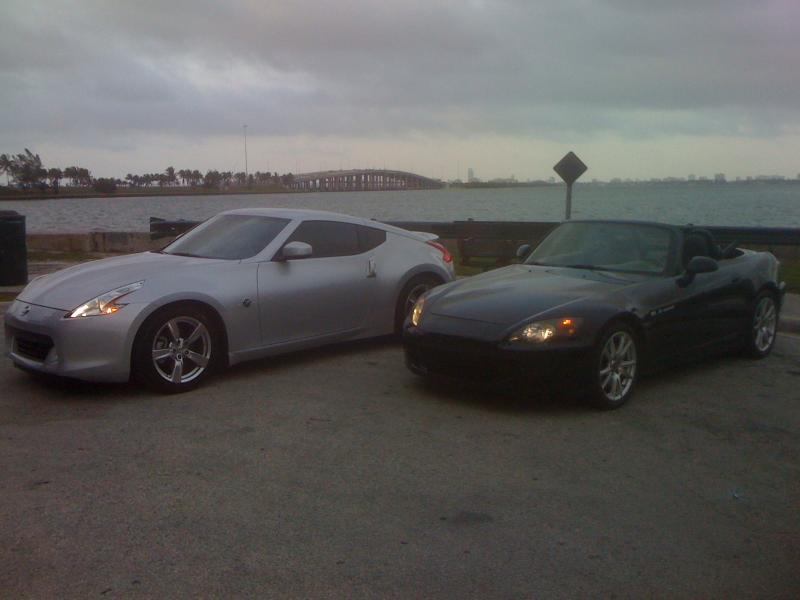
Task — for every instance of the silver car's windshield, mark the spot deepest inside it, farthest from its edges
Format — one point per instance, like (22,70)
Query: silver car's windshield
(231,237)
(626,247)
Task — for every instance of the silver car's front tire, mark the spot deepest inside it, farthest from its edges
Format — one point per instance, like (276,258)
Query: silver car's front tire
(175,349)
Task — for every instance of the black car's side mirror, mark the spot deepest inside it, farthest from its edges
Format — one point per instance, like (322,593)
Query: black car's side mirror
(697,265)
(523,251)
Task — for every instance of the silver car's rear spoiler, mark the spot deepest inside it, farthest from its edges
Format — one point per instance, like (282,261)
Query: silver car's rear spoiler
(427,235)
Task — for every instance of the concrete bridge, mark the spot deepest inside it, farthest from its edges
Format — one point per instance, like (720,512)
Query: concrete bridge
(358,180)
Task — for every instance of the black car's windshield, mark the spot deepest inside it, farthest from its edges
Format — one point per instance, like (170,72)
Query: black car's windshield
(231,237)
(627,247)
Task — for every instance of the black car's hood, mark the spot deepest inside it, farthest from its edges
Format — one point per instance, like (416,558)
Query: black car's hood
(509,295)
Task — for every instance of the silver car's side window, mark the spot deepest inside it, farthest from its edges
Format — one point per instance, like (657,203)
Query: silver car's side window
(328,238)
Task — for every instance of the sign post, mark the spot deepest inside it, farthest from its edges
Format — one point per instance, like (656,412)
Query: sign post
(569,169)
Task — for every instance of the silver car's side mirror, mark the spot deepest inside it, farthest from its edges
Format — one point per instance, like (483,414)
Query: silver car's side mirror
(523,251)
(294,250)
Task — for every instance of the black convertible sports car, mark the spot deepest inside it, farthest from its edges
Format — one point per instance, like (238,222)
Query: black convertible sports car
(598,302)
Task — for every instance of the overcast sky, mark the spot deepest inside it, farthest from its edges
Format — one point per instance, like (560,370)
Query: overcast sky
(638,88)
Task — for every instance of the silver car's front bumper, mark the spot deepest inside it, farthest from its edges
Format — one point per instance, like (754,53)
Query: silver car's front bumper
(90,348)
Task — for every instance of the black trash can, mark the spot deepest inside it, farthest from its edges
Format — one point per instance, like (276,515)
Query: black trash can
(13,250)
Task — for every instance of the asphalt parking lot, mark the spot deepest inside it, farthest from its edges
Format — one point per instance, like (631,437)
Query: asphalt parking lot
(338,474)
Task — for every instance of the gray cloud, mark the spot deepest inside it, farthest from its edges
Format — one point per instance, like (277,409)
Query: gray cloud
(92,69)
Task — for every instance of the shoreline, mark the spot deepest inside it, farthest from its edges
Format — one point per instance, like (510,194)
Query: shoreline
(155,193)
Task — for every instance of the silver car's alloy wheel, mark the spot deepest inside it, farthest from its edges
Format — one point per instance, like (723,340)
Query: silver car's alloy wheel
(413,296)
(181,350)
(617,366)
(765,323)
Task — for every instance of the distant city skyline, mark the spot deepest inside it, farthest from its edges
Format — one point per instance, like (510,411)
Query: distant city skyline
(636,89)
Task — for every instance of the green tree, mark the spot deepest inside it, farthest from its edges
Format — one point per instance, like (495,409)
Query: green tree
(25,168)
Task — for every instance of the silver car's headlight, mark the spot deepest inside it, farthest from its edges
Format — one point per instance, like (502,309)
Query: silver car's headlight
(416,312)
(105,304)
(542,331)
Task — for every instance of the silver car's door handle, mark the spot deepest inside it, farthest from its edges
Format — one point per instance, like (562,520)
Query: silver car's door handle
(371,271)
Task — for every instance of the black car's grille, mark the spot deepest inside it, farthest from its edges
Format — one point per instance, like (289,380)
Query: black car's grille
(453,357)
(31,345)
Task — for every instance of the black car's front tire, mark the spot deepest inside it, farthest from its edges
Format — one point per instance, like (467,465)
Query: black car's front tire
(176,349)
(615,367)
(760,337)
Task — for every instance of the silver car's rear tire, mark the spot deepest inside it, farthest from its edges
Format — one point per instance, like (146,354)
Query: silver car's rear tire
(176,349)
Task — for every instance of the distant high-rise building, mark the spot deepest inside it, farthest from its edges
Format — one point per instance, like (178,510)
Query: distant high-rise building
(692,177)
(470,175)
(719,178)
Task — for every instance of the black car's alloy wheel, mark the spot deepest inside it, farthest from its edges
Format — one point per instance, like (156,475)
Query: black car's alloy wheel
(763,326)
(616,367)
(175,349)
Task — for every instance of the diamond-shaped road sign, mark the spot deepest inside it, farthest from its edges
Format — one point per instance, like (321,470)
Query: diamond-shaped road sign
(570,168)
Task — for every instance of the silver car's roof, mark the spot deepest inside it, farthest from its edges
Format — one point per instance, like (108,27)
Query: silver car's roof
(303,214)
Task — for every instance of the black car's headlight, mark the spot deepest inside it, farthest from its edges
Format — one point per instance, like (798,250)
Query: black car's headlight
(105,304)
(539,332)
(416,312)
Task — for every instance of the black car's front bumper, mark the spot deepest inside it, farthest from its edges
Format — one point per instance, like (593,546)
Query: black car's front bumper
(455,357)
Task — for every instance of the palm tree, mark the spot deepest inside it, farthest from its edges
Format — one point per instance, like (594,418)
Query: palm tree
(54,174)
(5,166)
(84,176)
(71,173)
(212,179)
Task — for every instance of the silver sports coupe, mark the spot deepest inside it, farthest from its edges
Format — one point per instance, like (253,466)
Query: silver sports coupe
(245,284)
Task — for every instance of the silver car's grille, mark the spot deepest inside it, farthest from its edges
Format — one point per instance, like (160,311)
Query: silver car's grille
(31,345)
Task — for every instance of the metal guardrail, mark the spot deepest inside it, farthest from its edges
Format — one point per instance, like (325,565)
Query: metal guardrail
(530,231)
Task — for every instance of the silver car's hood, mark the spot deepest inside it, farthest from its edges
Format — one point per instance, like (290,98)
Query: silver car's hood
(71,287)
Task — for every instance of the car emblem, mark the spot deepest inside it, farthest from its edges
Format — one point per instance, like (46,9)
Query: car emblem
(25,310)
